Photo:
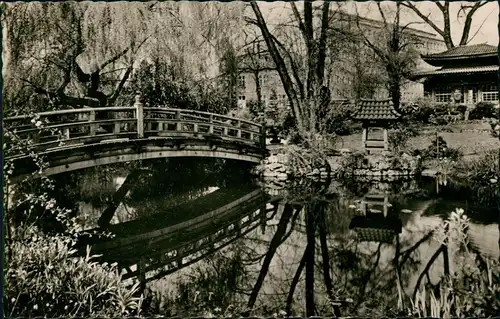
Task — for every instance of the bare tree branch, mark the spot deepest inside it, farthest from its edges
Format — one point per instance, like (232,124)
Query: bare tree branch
(280,64)
(112,98)
(322,43)
(426,18)
(468,21)
(296,13)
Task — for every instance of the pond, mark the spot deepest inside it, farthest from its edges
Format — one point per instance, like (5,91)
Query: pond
(203,243)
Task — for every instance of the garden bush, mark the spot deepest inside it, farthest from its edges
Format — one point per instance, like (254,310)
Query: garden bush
(480,176)
(425,111)
(483,110)
(42,278)
(43,274)
(403,131)
(439,151)
(472,290)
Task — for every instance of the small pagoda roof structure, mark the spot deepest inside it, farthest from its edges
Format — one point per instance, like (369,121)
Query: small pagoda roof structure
(376,227)
(465,60)
(375,110)
(375,113)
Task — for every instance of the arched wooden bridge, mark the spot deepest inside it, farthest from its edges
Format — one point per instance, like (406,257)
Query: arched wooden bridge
(87,137)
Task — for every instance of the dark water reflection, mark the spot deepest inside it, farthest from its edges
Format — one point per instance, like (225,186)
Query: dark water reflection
(199,240)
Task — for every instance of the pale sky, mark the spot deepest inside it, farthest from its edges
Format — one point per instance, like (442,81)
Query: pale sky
(486,15)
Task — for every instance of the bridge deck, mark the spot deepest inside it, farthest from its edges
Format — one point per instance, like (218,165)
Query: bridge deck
(75,139)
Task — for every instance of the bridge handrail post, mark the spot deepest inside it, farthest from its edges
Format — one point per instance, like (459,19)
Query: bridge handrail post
(93,127)
(263,136)
(178,125)
(238,131)
(211,127)
(139,107)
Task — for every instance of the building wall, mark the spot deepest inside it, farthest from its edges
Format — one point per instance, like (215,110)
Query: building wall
(473,88)
(341,80)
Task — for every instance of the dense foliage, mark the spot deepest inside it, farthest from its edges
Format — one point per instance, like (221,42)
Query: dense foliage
(44,275)
(480,177)
(439,150)
(483,110)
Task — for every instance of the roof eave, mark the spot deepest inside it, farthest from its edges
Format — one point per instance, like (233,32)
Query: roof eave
(432,59)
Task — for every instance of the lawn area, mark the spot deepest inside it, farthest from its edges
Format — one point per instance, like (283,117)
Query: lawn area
(472,138)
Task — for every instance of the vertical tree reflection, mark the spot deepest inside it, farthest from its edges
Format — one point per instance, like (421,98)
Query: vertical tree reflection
(273,246)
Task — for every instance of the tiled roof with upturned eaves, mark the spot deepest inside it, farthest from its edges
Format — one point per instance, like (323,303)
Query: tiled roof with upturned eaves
(462,70)
(464,51)
(375,234)
(375,110)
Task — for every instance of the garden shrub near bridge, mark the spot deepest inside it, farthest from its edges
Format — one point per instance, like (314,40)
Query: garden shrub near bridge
(42,278)
(43,275)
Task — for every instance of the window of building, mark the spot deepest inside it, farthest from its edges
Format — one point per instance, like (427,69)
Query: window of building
(490,94)
(263,79)
(442,95)
(241,81)
(241,98)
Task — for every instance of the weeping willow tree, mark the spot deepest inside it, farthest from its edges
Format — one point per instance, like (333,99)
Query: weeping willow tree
(85,54)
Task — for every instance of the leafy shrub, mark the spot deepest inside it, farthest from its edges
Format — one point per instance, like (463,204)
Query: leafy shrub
(337,120)
(398,139)
(419,110)
(440,151)
(471,290)
(255,108)
(480,177)
(483,110)
(425,111)
(43,275)
(43,279)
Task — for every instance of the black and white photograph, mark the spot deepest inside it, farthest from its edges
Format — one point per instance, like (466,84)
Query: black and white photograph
(250,159)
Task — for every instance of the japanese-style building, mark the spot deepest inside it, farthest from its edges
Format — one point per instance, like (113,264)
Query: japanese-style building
(465,75)
(378,115)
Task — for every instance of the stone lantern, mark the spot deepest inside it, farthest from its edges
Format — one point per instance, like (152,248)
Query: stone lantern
(375,114)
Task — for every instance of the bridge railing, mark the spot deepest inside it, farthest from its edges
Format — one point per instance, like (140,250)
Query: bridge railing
(65,128)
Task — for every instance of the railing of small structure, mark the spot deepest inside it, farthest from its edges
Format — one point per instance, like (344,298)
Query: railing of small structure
(67,128)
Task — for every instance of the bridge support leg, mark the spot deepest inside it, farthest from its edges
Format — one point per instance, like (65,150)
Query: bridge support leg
(108,214)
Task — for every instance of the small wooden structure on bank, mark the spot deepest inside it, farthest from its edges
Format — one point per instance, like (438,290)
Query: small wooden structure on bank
(378,114)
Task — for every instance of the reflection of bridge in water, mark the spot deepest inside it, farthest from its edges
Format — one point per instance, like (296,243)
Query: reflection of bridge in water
(87,137)
(158,245)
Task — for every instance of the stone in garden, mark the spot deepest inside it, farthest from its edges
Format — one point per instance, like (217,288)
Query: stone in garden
(273,159)
(282,176)
(274,166)
(270,174)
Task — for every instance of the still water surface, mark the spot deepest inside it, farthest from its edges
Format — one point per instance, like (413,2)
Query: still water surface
(220,242)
